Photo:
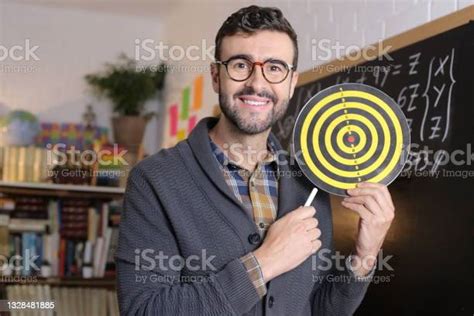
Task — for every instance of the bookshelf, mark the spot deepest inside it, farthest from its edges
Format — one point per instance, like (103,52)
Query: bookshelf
(73,218)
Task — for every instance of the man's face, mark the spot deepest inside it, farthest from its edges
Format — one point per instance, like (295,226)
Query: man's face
(254,105)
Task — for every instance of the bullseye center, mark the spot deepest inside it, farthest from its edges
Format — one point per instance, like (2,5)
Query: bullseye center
(351,139)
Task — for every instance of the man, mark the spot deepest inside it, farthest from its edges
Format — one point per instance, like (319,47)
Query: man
(215,225)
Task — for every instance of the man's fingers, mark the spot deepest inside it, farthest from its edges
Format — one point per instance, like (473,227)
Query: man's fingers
(363,212)
(311,223)
(374,192)
(304,212)
(314,234)
(383,188)
(368,201)
(316,244)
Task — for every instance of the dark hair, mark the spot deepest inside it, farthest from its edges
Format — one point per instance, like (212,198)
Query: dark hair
(252,19)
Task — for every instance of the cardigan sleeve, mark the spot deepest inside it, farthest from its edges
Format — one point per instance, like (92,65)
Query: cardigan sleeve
(160,291)
(342,294)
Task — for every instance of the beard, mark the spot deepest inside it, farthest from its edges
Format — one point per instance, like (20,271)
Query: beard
(253,125)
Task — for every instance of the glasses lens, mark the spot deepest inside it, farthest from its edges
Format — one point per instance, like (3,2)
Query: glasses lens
(275,70)
(239,68)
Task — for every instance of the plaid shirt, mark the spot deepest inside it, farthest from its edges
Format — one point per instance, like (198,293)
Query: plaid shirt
(258,192)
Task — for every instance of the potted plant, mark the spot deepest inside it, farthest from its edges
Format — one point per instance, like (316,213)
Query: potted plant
(128,87)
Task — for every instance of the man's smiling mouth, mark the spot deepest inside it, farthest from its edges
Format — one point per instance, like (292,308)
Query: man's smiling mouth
(254,101)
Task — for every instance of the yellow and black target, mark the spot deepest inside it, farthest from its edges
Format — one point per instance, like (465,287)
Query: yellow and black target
(350,133)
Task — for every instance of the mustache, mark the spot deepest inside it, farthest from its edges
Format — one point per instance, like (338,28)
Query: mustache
(262,94)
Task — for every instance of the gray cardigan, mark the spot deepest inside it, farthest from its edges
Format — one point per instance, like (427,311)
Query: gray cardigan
(177,203)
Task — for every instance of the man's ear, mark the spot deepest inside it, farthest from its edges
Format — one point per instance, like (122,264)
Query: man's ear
(294,81)
(215,77)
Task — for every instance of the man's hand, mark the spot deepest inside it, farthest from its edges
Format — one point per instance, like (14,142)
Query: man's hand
(373,203)
(289,241)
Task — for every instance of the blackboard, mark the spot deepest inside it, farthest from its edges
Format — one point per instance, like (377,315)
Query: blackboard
(431,242)
(425,79)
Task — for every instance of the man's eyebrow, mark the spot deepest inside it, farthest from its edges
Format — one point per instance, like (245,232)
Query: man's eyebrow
(274,59)
(249,57)
(244,56)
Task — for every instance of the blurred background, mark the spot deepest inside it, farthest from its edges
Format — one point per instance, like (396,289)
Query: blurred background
(84,83)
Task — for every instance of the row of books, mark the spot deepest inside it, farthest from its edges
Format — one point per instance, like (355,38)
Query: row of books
(71,237)
(68,301)
(23,164)
(109,166)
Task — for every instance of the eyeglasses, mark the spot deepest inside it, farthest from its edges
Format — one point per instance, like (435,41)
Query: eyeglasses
(240,69)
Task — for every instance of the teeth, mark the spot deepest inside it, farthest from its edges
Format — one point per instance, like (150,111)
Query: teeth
(256,103)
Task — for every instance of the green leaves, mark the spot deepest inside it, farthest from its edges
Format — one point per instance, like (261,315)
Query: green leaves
(128,85)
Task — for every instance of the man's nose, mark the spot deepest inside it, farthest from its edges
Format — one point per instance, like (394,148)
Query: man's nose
(257,80)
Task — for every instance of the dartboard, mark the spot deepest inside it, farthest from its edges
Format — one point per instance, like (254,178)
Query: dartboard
(350,133)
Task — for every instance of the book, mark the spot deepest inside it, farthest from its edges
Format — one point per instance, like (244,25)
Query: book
(104,252)
(30,207)
(7,204)
(31,225)
(98,249)
(4,235)
(24,164)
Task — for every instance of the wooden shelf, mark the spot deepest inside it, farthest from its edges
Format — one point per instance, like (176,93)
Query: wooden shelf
(60,190)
